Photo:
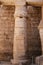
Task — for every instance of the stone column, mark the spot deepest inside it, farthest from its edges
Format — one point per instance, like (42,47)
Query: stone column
(41,30)
(20,33)
(39,59)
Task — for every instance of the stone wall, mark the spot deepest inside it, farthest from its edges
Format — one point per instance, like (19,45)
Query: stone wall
(33,36)
(6,32)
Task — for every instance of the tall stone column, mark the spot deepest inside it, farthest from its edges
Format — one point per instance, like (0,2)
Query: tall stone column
(39,59)
(20,33)
(41,30)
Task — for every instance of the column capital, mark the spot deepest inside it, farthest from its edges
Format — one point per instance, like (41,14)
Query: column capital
(19,2)
(21,11)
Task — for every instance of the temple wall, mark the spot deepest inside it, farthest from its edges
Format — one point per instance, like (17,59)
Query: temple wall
(7,31)
(33,35)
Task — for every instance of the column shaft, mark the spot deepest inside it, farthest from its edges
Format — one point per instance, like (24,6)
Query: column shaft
(20,33)
(41,30)
(19,37)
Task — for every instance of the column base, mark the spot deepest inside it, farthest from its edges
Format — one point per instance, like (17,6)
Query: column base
(15,62)
(21,62)
(39,60)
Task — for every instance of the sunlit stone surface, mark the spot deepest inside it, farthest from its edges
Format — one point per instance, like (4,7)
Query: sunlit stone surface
(22,2)
(38,1)
(41,30)
(20,34)
(19,38)
(20,28)
(20,11)
(20,22)
(19,2)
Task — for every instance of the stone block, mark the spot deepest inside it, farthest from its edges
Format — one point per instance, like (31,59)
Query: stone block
(20,31)
(20,47)
(20,22)
(20,2)
(20,11)
(20,37)
(39,60)
(41,36)
(6,32)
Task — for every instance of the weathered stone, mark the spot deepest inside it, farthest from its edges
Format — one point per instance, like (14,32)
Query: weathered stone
(19,39)
(7,26)
(20,22)
(41,36)
(39,60)
(41,30)
(35,2)
(20,11)
(20,31)
(20,47)
(6,32)
(38,1)
(20,2)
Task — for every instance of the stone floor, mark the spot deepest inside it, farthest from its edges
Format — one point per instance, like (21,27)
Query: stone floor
(5,63)
(9,63)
